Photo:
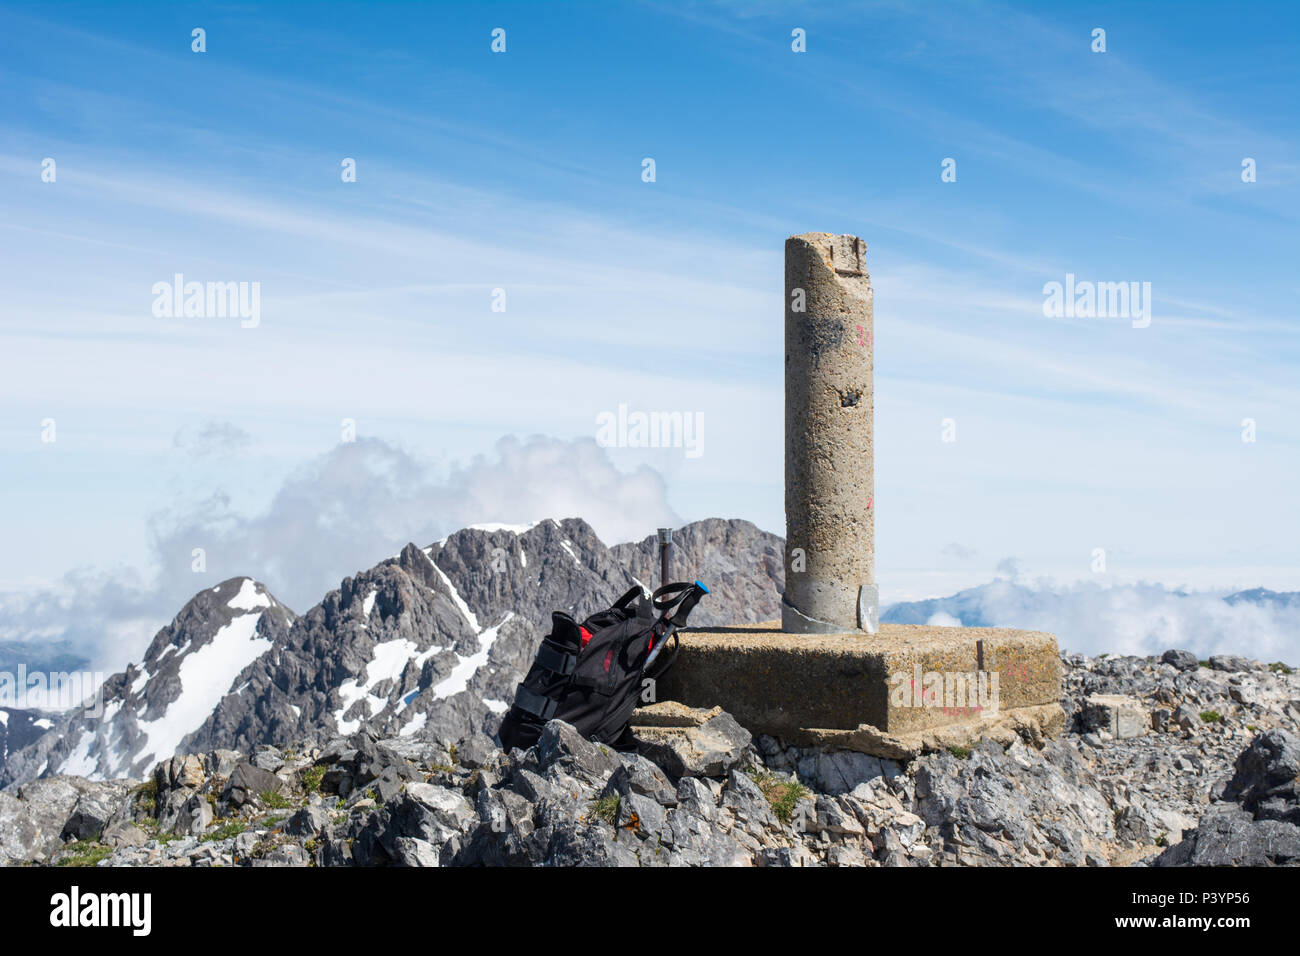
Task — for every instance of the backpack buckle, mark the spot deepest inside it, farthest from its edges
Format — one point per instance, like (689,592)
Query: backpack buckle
(535,704)
(556,661)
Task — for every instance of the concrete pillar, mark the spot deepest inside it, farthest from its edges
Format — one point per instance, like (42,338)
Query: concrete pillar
(829,476)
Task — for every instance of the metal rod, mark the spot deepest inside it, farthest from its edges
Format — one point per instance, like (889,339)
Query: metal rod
(665,554)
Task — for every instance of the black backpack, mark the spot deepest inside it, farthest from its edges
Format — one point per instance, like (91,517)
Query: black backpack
(590,674)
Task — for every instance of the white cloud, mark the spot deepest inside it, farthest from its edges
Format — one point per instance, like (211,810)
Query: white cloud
(345,511)
(1141,619)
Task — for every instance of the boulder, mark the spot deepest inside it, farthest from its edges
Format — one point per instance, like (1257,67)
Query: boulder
(308,822)
(475,750)
(122,834)
(1187,718)
(415,852)
(195,816)
(1182,660)
(21,838)
(709,749)
(561,745)
(89,817)
(1267,777)
(639,775)
(590,846)
(1227,836)
(266,757)
(247,784)
(840,771)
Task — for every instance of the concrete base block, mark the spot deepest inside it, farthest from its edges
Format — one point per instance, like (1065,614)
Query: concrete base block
(1121,717)
(898,692)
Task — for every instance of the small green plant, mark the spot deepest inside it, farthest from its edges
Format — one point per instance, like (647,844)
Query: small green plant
(147,791)
(1277,667)
(312,777)
(452,751)
(274,800)
(1211,716)
(231,828)
(606,808)
(85,853)
(783,793)
(1203,663)
(961,753)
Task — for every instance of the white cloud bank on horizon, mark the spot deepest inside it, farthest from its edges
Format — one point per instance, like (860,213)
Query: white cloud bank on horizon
(1141,619)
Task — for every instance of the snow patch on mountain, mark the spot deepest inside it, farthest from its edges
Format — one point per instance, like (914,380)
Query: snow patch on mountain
(455,595)
(249,597)
(390,659)
(467,667)
(206,676)
(414,725)
(501,526)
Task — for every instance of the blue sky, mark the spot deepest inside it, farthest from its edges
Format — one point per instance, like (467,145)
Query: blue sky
(522,171)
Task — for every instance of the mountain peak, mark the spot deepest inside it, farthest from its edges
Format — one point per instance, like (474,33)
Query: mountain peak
(427,644)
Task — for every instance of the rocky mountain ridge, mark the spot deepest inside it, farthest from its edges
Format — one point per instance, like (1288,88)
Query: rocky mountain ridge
(432,640)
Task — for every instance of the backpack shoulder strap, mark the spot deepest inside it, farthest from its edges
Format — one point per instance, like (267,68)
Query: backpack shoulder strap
(633,594)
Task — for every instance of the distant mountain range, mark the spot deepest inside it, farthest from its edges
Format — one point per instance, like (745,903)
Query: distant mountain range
(40,656)
(430,642)
(988,604)
(1265,597)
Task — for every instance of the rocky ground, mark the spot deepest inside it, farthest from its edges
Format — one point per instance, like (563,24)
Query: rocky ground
(1164,762)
